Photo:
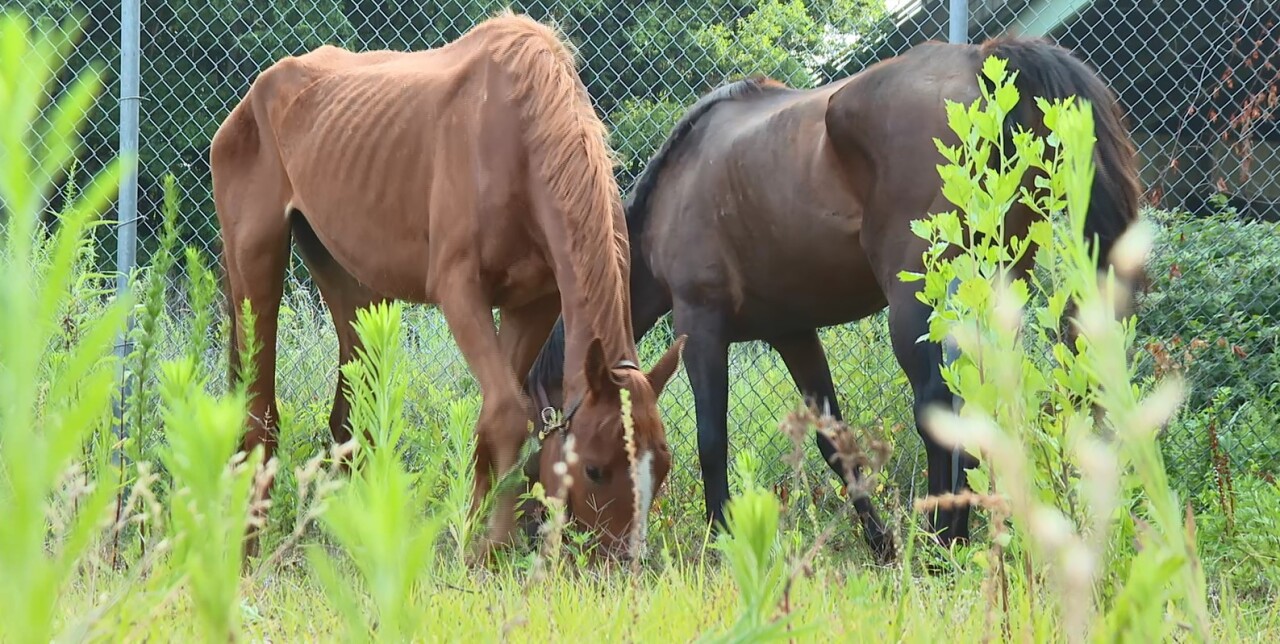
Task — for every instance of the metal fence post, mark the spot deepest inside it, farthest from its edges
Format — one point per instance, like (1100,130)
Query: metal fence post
(958,31)
(127,226)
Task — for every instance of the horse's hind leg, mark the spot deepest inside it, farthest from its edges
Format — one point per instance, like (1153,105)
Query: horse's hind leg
(344,296)
(807,362)
(256,252)
(922,361)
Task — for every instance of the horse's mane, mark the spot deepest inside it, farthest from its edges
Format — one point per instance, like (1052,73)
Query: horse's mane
(549,365)
(647,182)
(571,149)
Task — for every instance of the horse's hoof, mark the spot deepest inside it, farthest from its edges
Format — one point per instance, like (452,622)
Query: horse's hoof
(480,555)
(884,550)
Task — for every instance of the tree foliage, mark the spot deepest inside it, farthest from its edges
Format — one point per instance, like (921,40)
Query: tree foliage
(643,63)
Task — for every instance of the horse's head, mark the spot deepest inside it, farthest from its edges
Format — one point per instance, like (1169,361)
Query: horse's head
(588,448)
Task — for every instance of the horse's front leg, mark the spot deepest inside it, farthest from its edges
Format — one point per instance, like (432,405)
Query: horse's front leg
(500,430)
(706,360)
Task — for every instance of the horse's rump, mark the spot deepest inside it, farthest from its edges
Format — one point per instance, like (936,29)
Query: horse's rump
(884,122)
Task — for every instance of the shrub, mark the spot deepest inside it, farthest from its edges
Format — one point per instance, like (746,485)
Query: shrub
(1207,316)
(1213,279)
(377,517)
(1240,535)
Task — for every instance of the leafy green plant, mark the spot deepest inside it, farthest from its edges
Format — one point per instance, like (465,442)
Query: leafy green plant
(1240,539)
(454,500)
(754,553)
(212,497)
(1065,475)
(1205,316)
(378,516)
(150,282)
(48,410)
(1211,281)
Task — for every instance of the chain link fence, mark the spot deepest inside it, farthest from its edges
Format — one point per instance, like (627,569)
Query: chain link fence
(1197,77)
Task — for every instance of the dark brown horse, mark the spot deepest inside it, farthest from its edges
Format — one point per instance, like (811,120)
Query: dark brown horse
(471,176)
(771,212)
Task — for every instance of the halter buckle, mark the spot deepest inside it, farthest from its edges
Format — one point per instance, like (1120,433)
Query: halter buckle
(551,422)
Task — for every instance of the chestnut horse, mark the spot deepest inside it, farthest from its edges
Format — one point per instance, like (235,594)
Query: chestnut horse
(471,176)
(770,212)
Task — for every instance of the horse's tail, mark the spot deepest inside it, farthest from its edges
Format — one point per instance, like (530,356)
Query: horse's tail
(1052,72)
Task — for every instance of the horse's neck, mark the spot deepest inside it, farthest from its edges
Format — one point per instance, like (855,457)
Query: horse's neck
(599,311)
(594,292)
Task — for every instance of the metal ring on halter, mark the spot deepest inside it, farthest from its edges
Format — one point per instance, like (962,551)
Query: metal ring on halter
(548,415)
(551,424)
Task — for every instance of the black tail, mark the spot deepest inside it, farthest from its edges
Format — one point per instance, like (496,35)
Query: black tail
(1052,72)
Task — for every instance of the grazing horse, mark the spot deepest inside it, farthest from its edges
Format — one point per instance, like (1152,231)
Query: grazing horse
(770,212)
(471,176)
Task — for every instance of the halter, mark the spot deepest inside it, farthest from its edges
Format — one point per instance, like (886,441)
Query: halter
(550,422)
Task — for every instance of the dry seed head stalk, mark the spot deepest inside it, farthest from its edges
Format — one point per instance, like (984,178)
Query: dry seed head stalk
(73,485)
(552,529)
(345,450)
(306,474)
(1157,409)
(261,505)
(950,501)
(1129,255)
(795,425)
(570,458)
(1008,313)
(1100,473)
(995,579)
(140,493)
(850,456)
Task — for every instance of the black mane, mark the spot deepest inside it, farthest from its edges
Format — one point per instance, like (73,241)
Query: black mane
(549,366)
(638,206)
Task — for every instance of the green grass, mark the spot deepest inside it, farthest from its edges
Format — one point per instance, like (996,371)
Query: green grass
(676,602)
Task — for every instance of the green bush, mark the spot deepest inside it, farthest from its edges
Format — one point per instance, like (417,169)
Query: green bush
(1065,438)
(1240,536)
(55,390)
(1207,316)
(1213,279)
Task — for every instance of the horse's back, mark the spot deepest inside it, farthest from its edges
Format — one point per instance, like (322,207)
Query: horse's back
(378,150)
(754,206)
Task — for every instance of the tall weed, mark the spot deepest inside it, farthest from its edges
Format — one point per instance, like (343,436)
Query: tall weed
(377,518)
(213,489)
(1067,477)
(48,410)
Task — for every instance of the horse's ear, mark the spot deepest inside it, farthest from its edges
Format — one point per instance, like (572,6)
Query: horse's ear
(597,368)
(666,365)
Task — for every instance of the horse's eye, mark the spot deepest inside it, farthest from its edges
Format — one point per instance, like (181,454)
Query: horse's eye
(594,474)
